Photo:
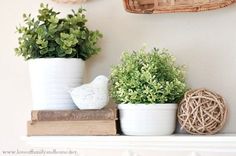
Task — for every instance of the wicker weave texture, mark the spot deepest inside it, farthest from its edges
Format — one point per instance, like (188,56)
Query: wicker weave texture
(171,6)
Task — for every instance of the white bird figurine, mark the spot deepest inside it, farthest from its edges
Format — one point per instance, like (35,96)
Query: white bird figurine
(93,95)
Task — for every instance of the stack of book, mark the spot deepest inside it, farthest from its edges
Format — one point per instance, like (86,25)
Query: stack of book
(72,122)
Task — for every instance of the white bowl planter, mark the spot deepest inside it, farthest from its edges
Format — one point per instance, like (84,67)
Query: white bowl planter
(147,119)
(51,80)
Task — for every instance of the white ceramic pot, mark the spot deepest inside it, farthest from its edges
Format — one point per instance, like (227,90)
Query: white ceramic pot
(51,80)
(147,119)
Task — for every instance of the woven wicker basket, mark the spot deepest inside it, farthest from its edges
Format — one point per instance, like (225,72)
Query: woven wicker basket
(171,6)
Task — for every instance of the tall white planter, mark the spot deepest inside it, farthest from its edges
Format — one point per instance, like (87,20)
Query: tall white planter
(51,80)
(147,119)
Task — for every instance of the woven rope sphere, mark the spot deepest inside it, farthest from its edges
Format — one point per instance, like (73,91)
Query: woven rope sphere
(202,112)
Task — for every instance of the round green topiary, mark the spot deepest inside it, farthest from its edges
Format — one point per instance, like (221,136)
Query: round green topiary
(147,77)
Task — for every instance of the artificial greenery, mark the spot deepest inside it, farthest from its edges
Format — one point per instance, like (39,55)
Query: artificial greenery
(49,36)
(147,77)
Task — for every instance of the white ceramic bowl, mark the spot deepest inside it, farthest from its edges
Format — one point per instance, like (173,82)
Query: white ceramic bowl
(147,119)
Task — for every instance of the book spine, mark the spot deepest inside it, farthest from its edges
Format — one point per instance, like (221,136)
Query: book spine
(67,128)
(74,115)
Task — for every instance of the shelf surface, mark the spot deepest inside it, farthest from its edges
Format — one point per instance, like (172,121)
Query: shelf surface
(219,142)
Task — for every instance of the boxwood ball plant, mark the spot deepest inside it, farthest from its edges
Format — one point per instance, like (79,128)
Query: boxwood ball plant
(49,36)
(147,77)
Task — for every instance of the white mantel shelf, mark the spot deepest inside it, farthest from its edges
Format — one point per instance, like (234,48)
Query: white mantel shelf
(216,143)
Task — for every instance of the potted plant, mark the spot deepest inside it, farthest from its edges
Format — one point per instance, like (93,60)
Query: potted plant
(147,86)
(56,49)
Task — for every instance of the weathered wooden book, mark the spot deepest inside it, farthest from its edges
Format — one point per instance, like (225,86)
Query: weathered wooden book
(74,115)
(66,128)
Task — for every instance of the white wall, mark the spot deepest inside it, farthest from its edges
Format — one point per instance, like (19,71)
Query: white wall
(204,42)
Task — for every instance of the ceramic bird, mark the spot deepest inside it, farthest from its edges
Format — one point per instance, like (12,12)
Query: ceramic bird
(92,95)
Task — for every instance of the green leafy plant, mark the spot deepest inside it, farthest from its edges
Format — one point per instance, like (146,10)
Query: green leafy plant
(49,36)
(147,77)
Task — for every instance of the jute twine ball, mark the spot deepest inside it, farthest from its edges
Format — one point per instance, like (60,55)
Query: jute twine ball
(202,112)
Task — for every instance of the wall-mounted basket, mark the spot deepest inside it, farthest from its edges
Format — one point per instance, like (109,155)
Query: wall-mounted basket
(171,6)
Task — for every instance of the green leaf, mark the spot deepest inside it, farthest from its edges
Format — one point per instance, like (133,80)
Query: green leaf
(69,51)
(43,51)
